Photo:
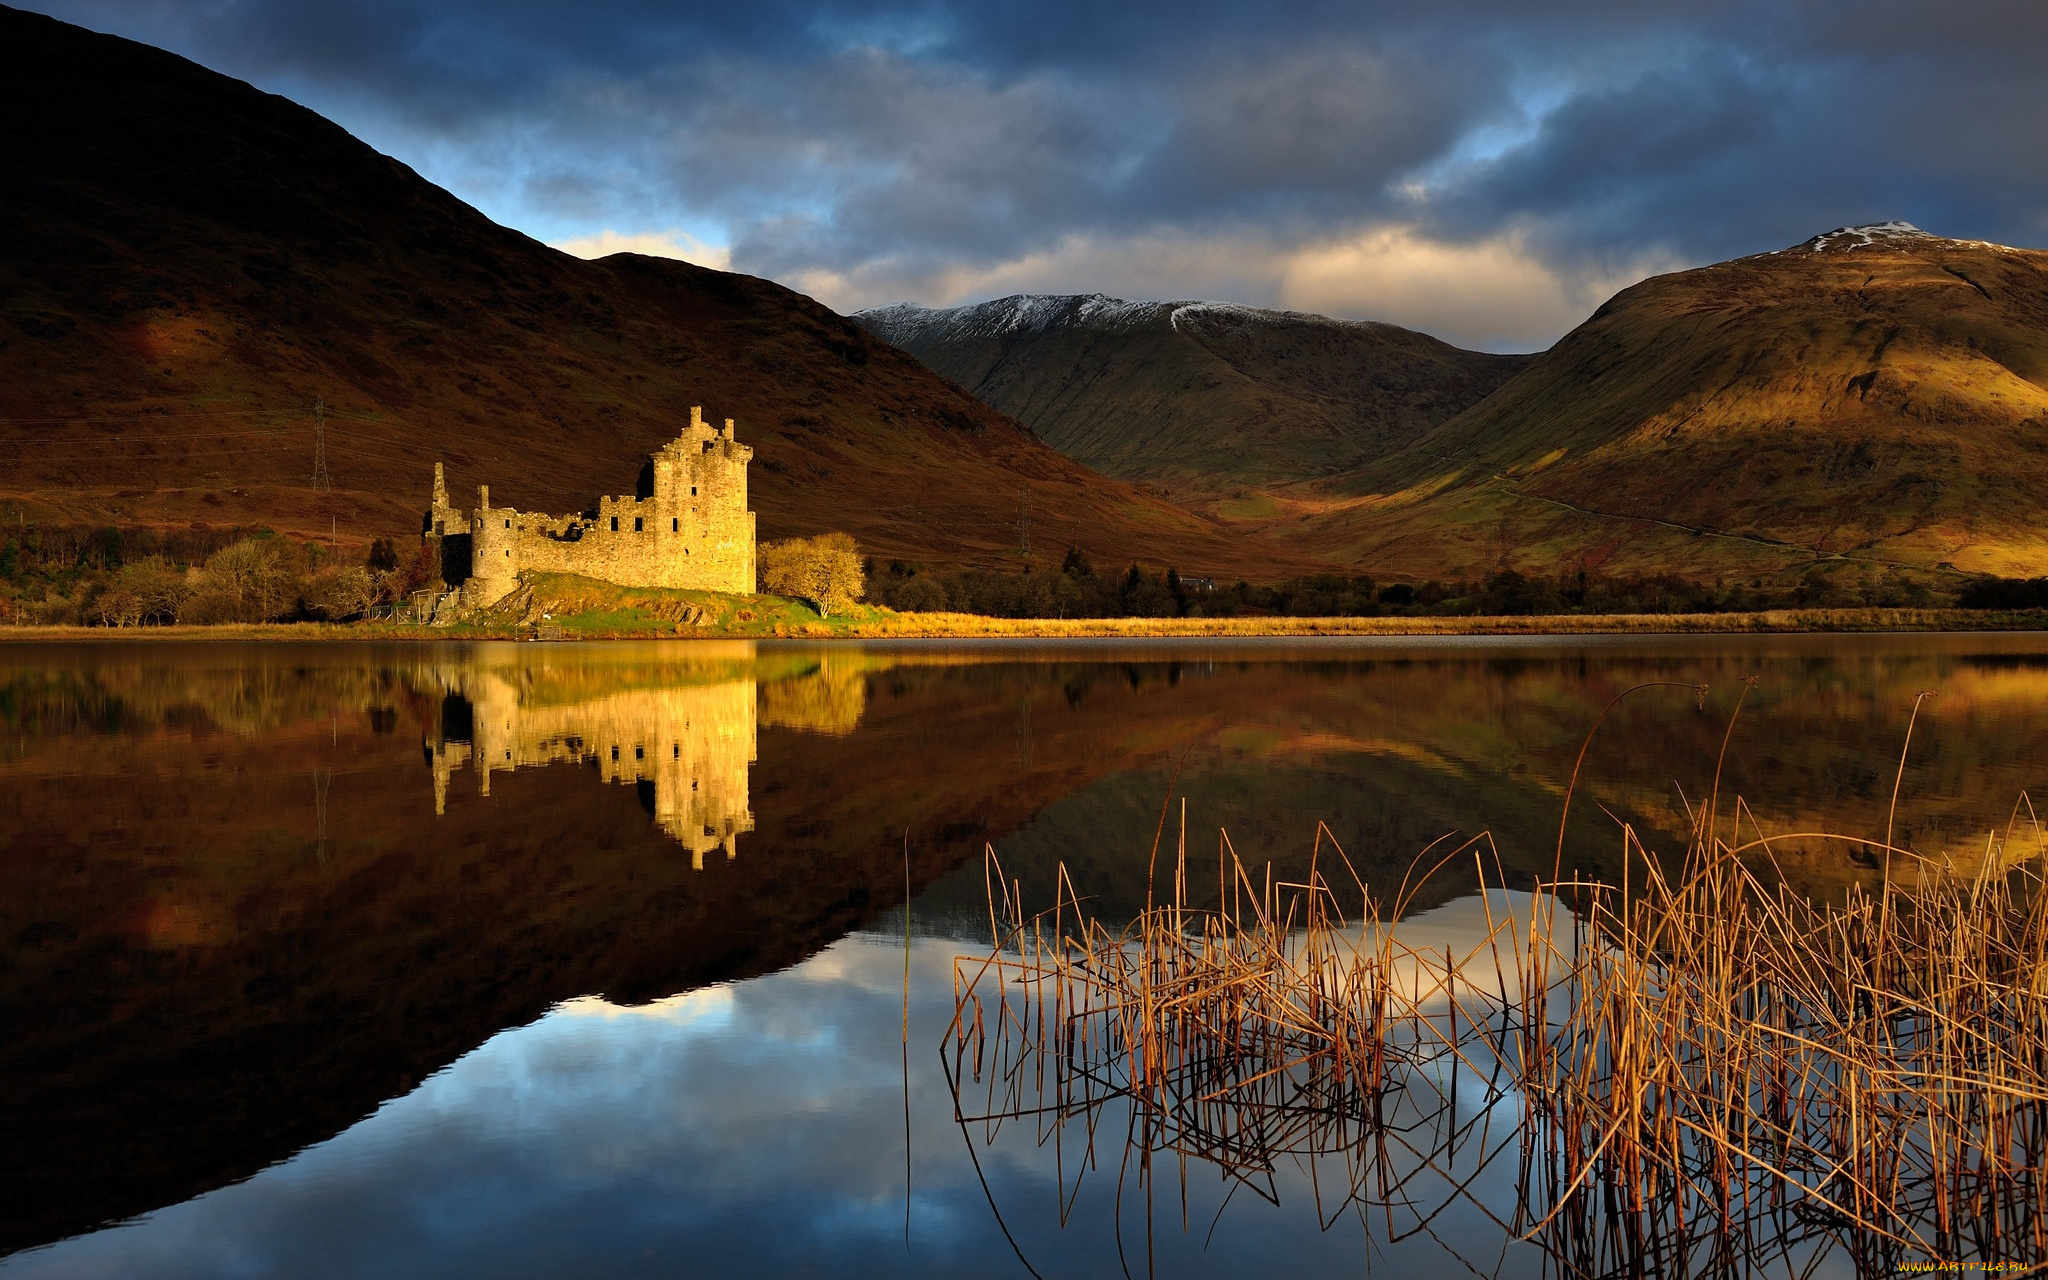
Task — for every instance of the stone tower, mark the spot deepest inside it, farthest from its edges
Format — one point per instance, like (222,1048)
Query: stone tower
(686,527)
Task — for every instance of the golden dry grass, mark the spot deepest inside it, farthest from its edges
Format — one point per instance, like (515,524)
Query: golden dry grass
(1776,620)
(883,624)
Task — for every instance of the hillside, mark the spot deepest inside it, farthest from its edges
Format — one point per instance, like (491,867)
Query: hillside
(1873,399)
(1205,400)
(188,264)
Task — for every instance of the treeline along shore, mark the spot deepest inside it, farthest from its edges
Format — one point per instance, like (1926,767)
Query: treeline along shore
(258,582)
(236,584)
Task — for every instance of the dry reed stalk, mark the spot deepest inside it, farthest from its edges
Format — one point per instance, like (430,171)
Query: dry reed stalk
(1713,1072)
(1267,1029)
(1879,1066)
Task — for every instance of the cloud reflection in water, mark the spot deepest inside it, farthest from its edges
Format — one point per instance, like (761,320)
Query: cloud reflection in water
(752,1129)
(740,1129)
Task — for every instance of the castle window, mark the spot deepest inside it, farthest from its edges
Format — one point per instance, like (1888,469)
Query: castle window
(638,525)
(675,526)
(508,524)
(693,490)
(508,551)
(615,753)
(639,753)
(679,751)
(615,524)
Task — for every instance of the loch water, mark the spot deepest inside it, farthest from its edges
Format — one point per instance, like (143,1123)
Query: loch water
(536,960)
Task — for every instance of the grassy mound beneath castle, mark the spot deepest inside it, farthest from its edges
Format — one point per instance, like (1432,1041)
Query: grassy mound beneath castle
(586,608)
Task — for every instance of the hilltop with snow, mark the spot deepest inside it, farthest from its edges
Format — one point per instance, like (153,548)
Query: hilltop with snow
(907,324)
(1872,400)
(1207,399)
(1863,237)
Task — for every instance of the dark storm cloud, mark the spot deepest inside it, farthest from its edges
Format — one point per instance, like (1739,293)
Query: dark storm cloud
(1315,131)
(1608,164)
(925,145)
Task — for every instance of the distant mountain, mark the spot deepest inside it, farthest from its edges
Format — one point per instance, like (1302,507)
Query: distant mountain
(187,264)
(1199,397)
(1877,394)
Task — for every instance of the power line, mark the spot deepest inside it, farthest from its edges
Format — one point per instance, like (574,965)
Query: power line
(154,416)
(103,441)
(145,417)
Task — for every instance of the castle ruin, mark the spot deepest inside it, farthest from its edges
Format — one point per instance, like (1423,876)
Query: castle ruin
(687,525)
(686,749)
(682,733)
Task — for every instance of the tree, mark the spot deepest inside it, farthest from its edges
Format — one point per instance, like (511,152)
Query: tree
(255,580)
(148,590)
(825,571)
(341,594)
(421,572)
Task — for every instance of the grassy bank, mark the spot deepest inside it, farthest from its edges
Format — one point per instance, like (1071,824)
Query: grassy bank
(773,618)
(566,607)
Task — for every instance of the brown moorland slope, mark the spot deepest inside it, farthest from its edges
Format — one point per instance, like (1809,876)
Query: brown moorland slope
(1876,396)
(1205,399)
(188,264)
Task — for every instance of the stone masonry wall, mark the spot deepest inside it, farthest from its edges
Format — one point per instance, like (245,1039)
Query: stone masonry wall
(693,532)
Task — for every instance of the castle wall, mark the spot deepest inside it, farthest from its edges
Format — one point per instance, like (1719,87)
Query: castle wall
(693,532)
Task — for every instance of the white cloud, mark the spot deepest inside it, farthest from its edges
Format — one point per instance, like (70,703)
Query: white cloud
(1501,293)
(1169,266)
(1497,293)
(658,244)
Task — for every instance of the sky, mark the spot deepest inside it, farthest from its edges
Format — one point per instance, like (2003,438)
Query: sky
(1488,171)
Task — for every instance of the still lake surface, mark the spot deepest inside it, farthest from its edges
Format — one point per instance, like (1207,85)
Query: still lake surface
(565,960)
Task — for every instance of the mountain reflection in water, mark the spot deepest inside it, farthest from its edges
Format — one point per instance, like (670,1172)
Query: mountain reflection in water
(240,914)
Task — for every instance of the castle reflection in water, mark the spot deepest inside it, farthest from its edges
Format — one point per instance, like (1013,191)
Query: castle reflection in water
(686,747)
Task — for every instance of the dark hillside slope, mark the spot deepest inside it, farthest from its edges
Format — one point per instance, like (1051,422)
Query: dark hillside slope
(1876,394)
(187,264)
(1204,399)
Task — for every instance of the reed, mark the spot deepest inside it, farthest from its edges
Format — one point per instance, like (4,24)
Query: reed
(1711,1070)
(1273,1027)
(1734,1066)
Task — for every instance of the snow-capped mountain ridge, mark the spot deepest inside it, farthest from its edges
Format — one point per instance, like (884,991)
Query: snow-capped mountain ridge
(1209,398)
(1862,236)
(908,324)
(1876,235)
